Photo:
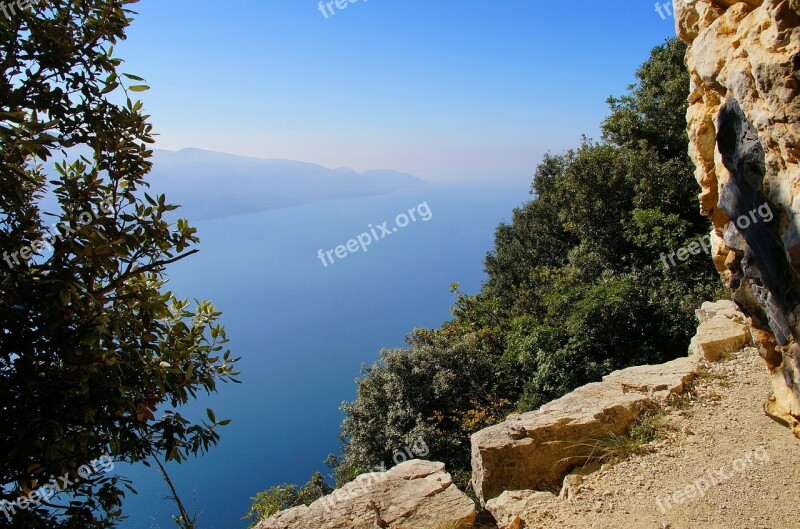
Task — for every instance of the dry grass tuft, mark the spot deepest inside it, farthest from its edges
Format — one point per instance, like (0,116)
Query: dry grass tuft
(635,440)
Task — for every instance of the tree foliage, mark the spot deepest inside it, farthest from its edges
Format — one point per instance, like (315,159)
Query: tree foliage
(286,496)
(96,356)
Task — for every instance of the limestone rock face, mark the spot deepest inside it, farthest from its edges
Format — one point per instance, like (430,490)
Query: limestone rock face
(744,129)
(536,450)
(413,495)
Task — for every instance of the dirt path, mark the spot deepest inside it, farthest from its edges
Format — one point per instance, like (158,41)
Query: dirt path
(720,464)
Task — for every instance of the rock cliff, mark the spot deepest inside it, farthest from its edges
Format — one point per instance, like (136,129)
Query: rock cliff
(744,128)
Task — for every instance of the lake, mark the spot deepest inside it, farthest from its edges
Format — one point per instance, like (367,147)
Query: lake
(303,329)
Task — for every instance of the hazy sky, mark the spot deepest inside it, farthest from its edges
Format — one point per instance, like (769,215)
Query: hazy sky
(445,90)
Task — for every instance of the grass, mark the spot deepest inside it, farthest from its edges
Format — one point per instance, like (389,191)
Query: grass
(633,441)
(682,402)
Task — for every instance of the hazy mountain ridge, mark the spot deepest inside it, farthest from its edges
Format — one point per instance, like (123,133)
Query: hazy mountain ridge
(209,184)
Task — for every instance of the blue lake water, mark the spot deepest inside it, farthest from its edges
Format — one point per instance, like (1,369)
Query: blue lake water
(303,330)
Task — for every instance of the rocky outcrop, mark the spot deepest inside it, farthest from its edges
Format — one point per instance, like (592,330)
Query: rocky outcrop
(535,450)
(744,128)
(516,509)
(722,331)
(415,494)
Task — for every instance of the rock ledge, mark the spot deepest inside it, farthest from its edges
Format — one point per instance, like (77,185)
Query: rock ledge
(536,450)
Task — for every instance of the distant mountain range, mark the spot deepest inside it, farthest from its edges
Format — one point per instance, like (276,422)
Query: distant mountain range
(210,184)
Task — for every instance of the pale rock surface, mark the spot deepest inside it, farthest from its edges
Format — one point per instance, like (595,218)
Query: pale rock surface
(721,331)
(724,308)
(571,486)
(521,508)
(656,381)
(413,495)
(716,338)
(536,450)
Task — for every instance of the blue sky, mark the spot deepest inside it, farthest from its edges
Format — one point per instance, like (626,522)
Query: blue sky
(446,90)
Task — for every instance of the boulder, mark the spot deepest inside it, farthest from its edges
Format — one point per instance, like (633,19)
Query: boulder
(415,494)
(520,508)
(724,308)
(657,381)
(722,330)
(535,450)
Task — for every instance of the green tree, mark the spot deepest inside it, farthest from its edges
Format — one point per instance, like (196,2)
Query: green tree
(440,389)
(96,357)
(654,110)
(286,496)
(268,502)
